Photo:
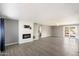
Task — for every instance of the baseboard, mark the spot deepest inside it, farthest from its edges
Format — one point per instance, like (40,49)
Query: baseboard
(58,36)
(11,44)
(21,42)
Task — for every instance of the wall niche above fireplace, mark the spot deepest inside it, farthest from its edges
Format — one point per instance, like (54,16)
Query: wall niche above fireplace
(25,36)
(27,26)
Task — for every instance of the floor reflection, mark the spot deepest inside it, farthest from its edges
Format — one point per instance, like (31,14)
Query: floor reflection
(71,46)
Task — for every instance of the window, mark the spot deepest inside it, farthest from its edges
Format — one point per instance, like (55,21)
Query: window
(70,31)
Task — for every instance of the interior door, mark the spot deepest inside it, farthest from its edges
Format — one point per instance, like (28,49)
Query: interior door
(2,35)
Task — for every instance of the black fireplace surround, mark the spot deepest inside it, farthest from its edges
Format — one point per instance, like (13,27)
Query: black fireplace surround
(25,36)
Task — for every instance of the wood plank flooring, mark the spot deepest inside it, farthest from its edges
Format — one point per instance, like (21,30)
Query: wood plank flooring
(50,46)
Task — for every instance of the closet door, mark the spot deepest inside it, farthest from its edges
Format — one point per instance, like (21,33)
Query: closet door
(2,35)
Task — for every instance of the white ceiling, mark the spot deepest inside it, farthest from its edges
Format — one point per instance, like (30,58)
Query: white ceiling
(43,13)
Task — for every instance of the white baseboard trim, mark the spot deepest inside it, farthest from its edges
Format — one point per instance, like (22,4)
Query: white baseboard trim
(21,42)
(11,44)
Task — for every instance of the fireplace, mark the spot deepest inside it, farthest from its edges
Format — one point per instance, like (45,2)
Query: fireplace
(25,36)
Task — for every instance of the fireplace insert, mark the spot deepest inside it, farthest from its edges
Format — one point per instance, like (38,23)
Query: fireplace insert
(25,36)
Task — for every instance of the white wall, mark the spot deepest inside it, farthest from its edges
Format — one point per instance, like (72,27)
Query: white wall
(57,31)
(46,31)
(23,30)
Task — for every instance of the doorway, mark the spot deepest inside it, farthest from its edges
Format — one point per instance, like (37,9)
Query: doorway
(37,32)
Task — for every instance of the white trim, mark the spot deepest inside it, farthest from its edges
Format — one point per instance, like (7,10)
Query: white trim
(11,44)
(21,42)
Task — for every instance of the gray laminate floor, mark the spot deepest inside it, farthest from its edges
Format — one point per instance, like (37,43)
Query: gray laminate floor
(50,46)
